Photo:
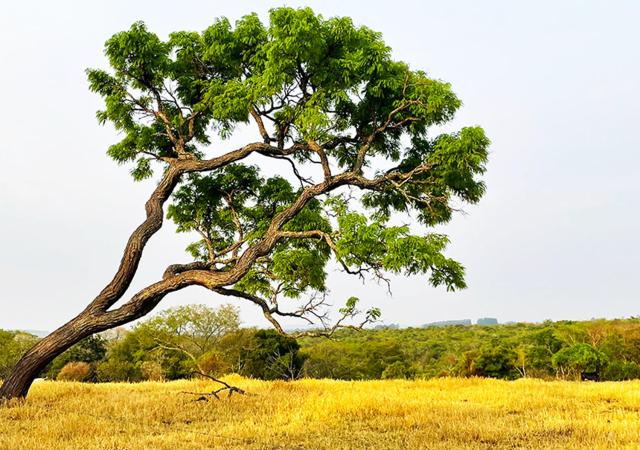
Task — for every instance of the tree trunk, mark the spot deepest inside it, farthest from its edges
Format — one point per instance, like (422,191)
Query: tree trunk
(36,359)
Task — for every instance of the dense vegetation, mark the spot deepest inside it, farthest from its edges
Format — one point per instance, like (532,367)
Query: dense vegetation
(184,341)
(597,349)
(12,345)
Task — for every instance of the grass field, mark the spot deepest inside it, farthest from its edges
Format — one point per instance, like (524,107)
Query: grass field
(323,414)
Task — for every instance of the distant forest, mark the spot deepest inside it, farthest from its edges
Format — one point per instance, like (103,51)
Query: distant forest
(190,340)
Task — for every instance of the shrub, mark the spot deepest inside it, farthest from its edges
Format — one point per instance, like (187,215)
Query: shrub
(152,371)
(397,370)
(271,356)
(621,370)
(89,350)
(579,359)
(495,362)
(117,370)
(75,371)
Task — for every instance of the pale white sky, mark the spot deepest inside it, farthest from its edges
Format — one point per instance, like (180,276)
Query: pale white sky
(556,85)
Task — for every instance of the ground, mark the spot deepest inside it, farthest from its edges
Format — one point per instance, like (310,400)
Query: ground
(324,414)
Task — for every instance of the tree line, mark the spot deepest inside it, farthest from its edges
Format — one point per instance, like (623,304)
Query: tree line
(192,340)
(573,350)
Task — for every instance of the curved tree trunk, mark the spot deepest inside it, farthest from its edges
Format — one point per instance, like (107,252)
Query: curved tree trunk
(98,316)
(42,353)
(92,319)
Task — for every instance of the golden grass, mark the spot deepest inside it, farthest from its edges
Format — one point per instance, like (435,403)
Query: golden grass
(325,414)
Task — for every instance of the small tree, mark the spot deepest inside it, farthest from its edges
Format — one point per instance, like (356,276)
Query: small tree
(271,356)
(496,361)
(579,360)
(352,130)
(192,330)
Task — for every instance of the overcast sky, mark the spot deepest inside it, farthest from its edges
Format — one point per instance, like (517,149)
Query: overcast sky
(556,85)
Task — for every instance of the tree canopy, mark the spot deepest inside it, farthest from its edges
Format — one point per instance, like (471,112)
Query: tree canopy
(328,99)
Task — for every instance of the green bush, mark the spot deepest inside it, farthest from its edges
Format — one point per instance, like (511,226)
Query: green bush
(495,362)
(397,370)
(621,370)
(271,356)
(117,370)
(578,360)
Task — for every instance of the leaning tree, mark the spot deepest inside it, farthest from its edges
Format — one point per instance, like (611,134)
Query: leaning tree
(348,126)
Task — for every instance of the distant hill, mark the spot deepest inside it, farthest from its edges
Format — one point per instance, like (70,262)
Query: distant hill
(447,323)
(487,321)
(38,333)
(463,322)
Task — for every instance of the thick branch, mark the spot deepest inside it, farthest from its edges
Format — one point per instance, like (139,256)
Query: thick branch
(149,297)
(263,131)
(154,218)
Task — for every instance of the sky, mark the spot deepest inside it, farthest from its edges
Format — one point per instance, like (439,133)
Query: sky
(555,85)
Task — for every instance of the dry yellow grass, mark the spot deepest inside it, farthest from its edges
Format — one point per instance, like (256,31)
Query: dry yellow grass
(312,414)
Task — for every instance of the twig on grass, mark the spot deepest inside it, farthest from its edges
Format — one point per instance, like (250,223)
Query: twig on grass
(215,393)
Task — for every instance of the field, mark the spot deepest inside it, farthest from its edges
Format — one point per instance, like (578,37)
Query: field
(324,414)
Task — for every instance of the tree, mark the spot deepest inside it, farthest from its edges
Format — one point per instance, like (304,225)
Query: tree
(271,356)
(350,127)
(579,360)
(496,361)
(193,330)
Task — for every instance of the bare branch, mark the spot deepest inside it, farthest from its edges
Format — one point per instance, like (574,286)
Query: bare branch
(215,393)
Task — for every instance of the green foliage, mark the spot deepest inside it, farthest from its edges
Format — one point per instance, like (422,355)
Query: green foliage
(326,89)
(455,160)
(372,245)
(353,359)
(271,356)
(171,344)
(605,350)
(397,370)
(621,370)
(579,359)
(114,369)
(89,350)
(501,351)
(12,345)
(495,361)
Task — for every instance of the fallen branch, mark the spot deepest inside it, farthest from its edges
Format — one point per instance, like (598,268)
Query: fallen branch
(215,393)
